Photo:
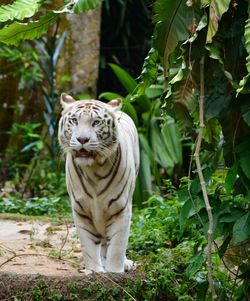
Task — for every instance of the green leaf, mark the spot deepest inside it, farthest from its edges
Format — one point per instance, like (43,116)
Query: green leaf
(149,71)
(196,262)
(241,229)
(172,20)
(110,95)
(162,155)
(128,82)
(231,177)
(247,46)
(154,91)
(19,10)
(172,139)
(145,171)
(235,215)
(245,162)
(245,110)
(216,9)
(130,110)
(187,210)
(144,145)
(86,5)
(14,33)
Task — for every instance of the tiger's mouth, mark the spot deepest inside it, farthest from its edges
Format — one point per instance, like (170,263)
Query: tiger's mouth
(83,153)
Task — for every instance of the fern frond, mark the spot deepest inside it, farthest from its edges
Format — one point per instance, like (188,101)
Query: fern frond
(14,33)
(19,10)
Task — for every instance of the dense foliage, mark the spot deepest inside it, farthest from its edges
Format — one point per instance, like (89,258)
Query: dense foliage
(169,229)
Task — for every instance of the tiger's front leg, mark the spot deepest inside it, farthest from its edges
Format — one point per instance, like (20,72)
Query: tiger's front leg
(91,246)
(117,240)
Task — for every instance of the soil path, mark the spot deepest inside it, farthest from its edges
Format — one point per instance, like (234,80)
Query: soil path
(44,258)
(34,247)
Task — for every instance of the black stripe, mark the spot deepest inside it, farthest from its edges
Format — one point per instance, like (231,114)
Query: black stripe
(92,233)
(119,195)
(118,154)
(74,197)
(79,204)
(114,173)
(86,177)
(83,215)
(80,178)
(120,211)
(108,225)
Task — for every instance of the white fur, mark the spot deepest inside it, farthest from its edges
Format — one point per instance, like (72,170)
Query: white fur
(90,198)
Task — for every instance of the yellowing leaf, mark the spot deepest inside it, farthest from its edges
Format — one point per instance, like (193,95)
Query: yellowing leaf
(216,10)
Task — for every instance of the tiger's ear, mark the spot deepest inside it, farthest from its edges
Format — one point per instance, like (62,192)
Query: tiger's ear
(116,104)
(66,101)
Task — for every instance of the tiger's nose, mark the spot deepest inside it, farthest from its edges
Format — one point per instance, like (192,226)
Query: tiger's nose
(82,140)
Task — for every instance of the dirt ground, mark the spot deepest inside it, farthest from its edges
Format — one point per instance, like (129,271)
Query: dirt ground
(37,247)
(41,258)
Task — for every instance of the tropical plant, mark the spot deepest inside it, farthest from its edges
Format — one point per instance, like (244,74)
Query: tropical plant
(203,47)
(13,18)
(160,139)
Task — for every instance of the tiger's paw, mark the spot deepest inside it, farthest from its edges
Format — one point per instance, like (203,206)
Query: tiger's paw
(129,265)
(86,272)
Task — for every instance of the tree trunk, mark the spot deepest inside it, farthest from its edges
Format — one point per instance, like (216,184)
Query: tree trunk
(84,54)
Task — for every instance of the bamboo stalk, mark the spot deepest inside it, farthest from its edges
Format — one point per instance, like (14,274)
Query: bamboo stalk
(203,184)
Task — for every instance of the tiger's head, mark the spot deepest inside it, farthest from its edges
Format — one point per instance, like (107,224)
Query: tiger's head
(88,129)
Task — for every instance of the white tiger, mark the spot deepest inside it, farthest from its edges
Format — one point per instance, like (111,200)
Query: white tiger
(102,161)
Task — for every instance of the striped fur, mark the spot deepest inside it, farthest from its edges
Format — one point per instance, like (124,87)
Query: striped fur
(102,161)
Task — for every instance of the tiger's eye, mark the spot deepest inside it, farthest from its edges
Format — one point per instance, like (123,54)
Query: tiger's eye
(74,120)
(96,122)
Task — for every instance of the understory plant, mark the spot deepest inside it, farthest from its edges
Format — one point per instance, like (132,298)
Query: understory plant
(159,137)
(203,47)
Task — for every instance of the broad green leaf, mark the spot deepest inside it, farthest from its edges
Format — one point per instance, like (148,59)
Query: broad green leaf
(196,262)
(247,46)
(245,110)
(241,229)
(231,177)
(86,5)
(217,98)
(144,145)
(187,210)
(14,33)
(216,9)
(172,19)
(245,162)
(154,91)
(128,82)
(232,217)
(172,140)
(128,108)
(110,95)
(215,50)
(145,172)
(162,155)
(19,10)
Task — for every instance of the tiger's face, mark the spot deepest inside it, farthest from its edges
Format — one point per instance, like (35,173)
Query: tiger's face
(87,129)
